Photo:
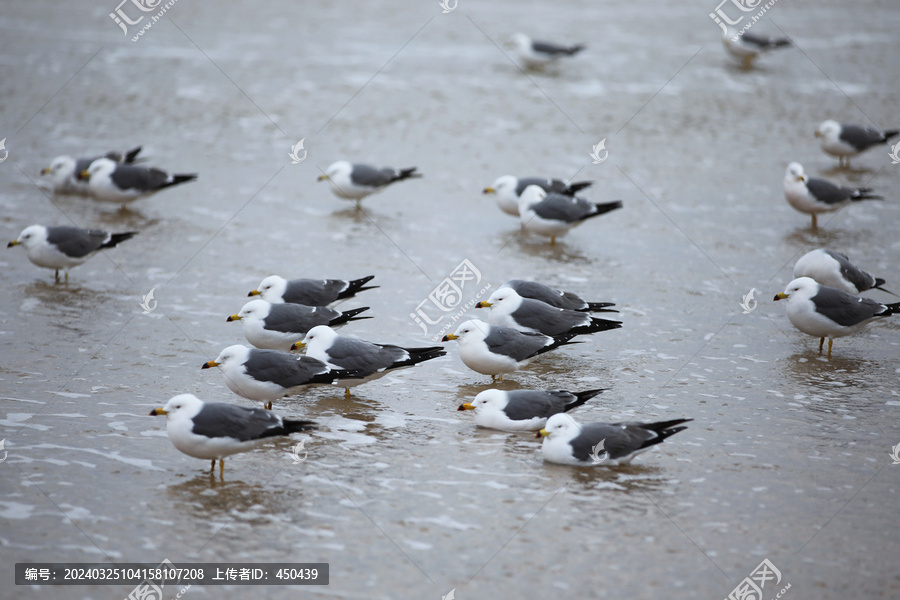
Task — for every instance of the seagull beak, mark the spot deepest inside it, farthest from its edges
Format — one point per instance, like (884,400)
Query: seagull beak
(483,304)
(297,345)
(466,406)
(210,365)
(84,175)
(13,243)
(449,336)
(158,411)
(488,190)
(818,133)
(46,170)
(542,433)
(233,318)
(801,177)
(322,177)
(780,296)
(253,293)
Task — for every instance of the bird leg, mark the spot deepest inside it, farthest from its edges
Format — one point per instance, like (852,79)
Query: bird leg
(56,274)
(552,240)
(346,392)
(815,223)
(830,342)
(212,467)
(821,342)
(268,406)
(222,468)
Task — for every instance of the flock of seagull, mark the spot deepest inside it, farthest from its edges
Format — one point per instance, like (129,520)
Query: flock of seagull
(525,319)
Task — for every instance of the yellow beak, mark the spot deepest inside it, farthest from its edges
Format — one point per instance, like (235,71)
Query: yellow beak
(484,304)
(210,365)
(543,433)
(818,133)
(233,318)
(297,345)
(322,177)
(449,336)
(46,170)
(13,243)
(780,296)
(466,406)
(253,293)
(488,190)
(158,411)
(84,175)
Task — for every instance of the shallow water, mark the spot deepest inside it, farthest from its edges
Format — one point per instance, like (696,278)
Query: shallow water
(788,454)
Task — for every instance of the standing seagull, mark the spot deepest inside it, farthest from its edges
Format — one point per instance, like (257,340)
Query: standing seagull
(112,182)
(507,189)
(554,214)
(748,47)
(557,298)
(812,196)
(844,140)
(371,361)
(64,170)
(356,181)
(834,269)
(523,410)
(311,292)
(65,247)
(494,350)
(536,55)
(571,443)
(214,430)
(509,309)
(827,312)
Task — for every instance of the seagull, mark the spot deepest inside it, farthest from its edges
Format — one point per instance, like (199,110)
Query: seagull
(554,214)
(508,188)
(311,292)
(557,298)
(278,326)
(64,247)
(533,54)
(494,350)
(370,361)
(523,410)
(111,182)
(509,309)
(356,181)
(747,47)
(844,140)
(834,269)
(822,311)
(64,170)
(812,196)
(571,443)
(267,375)
(214,430)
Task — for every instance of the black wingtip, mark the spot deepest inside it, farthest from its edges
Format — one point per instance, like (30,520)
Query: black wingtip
(295,425)
(117,238)
(576,186)
(350,315)
(131,155)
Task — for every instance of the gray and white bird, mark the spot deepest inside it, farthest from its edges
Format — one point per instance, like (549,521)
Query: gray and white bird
(533,54)
(833,269)
(369,360)
(827,312)
(557,298)
(494,350)
(109,181)
(214,430)
(278,326)
(267,375)
(311,292)
(523,410)
(356,181)
(509,309)
(507,189)
(553,215)
(64,247)
(63,171)
(813,196)
(748,47)
(568,442)
(844,140)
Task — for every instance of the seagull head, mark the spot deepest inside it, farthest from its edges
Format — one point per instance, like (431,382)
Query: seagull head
(474,330)
(503,186)
(319,337)
(60,167)
(559,424)
(504,301)
(253,310)
(183,404)
(232,355)
(828,130)
(484,400)
(802,288)
(98,168)
(531,195)
(271,289)
(794,173)
(30,237)
(336,169)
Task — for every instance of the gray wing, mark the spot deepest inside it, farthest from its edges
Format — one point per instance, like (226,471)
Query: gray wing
(862,280)
(129,177)
(827,192)
(553,49)
(513,343)
(860,137)
(618,439)
(75,242)
(367,176)
(82,164)
(282,368)
(548,185)
(548,320)
(217,419)
(563,208)
(297,318)
(354,354)
(313,292)
(843,308)
(528,404)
